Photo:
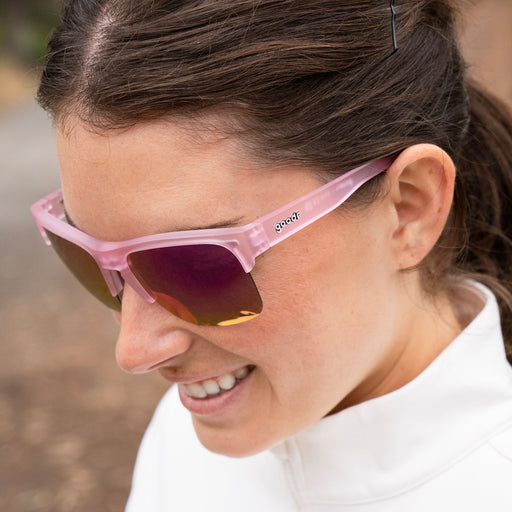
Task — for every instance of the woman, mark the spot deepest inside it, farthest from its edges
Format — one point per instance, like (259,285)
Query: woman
(360,365)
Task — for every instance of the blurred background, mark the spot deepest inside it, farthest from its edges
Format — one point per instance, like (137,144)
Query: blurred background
(70,419)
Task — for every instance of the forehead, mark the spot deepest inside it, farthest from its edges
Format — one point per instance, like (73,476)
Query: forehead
(164,176)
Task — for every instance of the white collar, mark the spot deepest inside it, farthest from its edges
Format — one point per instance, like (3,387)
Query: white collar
(387,445)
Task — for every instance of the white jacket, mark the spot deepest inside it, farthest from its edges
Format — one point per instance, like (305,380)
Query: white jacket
(443,442)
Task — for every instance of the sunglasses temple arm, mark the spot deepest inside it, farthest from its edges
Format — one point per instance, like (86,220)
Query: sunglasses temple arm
(298,214)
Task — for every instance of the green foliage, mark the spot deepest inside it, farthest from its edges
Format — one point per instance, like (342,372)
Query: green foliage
(25,27)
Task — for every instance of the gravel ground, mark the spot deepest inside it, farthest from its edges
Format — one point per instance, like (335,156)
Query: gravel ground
(70,420)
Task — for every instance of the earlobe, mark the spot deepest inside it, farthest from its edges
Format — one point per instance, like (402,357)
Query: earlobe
(421,189)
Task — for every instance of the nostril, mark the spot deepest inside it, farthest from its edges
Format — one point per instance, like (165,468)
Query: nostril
(166,362)
(139,360)
(144,346)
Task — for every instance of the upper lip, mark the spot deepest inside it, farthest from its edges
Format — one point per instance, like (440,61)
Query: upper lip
(168,374)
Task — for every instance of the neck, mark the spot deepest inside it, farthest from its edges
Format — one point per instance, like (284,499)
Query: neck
(425,326)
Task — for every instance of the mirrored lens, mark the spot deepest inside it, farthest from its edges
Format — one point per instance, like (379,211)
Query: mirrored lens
(84,268)
(203,284)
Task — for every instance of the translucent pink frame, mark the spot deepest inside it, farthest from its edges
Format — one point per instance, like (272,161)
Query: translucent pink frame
(244,242)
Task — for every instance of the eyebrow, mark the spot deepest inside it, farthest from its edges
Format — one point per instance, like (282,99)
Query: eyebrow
(217,225)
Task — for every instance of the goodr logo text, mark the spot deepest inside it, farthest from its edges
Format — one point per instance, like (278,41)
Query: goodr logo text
(292,218)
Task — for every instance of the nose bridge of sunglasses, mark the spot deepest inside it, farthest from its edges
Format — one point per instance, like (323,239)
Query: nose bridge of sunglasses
(130,279)
(114,281)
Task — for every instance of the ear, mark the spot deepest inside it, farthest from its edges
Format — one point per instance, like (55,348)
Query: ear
(421,190)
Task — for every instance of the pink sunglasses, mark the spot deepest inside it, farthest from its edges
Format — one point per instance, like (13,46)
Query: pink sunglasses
(201,276)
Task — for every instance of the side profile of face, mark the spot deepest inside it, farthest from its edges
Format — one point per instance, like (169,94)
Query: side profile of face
(339,323)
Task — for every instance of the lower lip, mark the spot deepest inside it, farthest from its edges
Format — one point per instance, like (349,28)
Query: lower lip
(215,404)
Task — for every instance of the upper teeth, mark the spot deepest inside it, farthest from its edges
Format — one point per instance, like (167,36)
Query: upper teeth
(212,387)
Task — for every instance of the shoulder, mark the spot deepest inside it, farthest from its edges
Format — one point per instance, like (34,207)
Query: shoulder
(482,478)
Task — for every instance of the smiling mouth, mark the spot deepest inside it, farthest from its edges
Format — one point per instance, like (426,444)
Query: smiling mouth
(215,387)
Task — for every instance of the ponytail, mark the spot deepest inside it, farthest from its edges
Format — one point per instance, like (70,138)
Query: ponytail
(484,167)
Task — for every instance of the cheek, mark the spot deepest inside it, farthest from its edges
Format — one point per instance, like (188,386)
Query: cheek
(291,336)
(323,302)
(312,280)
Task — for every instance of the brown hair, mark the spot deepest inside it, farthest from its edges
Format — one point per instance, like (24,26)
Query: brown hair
(315,82)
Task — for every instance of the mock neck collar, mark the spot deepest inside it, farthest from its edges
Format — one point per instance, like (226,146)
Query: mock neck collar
(392,443)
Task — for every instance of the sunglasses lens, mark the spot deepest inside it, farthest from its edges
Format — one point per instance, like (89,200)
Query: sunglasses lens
(203,284)
(84,268)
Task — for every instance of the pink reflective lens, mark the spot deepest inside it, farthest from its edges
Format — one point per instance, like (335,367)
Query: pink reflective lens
(203,284)
(85,269)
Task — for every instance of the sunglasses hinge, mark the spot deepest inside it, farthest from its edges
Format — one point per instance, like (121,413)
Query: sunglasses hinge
(258,238)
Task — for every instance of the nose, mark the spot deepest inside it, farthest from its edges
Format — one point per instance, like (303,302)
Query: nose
(149,336)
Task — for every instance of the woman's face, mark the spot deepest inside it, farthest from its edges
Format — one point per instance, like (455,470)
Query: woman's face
(328,324)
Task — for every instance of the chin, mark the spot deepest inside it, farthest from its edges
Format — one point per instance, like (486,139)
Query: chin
(235,443)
